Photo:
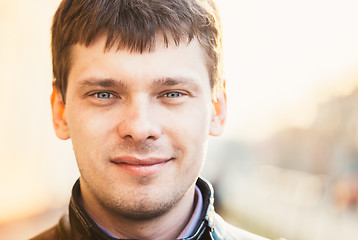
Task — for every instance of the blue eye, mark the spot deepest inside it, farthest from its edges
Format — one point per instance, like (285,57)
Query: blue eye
(173,94)
(103,95)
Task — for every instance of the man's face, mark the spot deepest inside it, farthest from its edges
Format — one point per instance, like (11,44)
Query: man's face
(139,124)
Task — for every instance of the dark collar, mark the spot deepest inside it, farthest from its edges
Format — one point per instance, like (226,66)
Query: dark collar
(84,224)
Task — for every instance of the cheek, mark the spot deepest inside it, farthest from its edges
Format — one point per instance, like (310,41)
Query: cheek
(89,131)
(90,134)
(90,124)
(97,126)
(189,130)
(194,122)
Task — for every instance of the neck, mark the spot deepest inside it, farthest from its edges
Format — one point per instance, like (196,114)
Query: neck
(166,226)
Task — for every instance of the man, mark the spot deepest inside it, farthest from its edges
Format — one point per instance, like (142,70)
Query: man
(138,88)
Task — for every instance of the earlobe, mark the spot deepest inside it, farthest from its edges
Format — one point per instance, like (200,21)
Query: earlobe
(58,115)
(219,113)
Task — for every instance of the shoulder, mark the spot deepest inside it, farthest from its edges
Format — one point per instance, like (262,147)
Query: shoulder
(50,234)
(61,231)
(226,231)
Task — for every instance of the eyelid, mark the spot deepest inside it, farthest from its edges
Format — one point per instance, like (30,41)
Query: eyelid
(181,92)
(94,93)
(173,92)
(111,99)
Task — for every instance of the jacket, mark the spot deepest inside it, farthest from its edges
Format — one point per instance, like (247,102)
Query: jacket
(77,225)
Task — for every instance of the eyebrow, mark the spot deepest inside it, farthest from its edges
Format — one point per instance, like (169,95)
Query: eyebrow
(169,81)
(105,83)
(157,83)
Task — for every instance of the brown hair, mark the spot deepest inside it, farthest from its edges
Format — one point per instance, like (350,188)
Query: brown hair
(135,25)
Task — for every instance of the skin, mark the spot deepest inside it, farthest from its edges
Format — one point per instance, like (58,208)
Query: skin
(139,125)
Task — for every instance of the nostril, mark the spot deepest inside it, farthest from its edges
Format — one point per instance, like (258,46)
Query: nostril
(138,125)
(151,138)
(137,134)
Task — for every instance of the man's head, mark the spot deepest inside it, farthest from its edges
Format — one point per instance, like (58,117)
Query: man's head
(139,104)
(135,25)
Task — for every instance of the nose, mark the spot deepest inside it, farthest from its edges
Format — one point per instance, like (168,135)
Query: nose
(138,123)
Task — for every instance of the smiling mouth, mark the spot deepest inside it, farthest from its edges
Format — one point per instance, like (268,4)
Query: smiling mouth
(140,167)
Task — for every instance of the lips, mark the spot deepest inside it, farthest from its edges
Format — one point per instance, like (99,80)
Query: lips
(137,161)
(140,166)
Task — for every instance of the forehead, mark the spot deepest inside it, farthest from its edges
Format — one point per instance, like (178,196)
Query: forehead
(186,60)
(160,43)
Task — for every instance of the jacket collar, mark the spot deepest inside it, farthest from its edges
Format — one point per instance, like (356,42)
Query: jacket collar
(84,224)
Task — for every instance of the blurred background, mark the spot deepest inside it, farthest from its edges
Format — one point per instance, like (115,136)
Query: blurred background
(288,163)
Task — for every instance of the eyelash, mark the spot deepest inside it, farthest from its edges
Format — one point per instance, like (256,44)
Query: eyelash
(168,96)
(109,95)
(178,94)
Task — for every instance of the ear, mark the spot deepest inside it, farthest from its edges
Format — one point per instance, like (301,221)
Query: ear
(58,115)
(219,113)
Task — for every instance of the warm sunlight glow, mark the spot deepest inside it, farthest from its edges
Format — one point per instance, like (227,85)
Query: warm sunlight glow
(285,57)
(282,58)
